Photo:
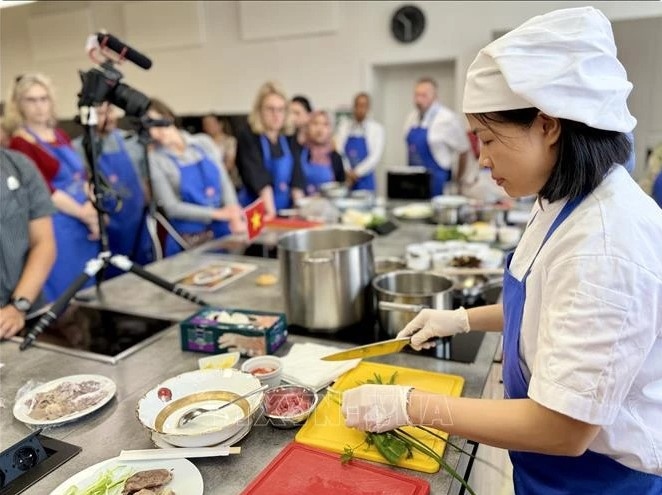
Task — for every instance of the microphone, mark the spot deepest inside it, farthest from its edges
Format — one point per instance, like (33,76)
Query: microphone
(124,50)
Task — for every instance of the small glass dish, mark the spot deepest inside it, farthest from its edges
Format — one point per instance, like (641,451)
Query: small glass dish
(289,406)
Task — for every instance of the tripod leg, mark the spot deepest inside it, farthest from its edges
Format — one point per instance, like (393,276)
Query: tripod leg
(92,267)
(171,230)
(124,263)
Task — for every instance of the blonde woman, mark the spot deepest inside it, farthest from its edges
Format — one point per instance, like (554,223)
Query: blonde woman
(31,119)
(268,160)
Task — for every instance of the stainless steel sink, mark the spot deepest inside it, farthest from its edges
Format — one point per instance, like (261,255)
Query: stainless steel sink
(99,334)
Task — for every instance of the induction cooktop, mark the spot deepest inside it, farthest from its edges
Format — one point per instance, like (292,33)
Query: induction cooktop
(99,334)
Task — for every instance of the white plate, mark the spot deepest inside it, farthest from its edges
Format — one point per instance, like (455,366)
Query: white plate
(21,409)
(211,275)
(489,258)
(160,442)
(186,479)
(196,389)
(414,211)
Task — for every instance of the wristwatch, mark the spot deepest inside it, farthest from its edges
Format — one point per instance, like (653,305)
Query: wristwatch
(23,304)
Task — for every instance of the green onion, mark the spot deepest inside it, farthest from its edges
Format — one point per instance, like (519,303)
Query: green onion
(396,444)
(109,482)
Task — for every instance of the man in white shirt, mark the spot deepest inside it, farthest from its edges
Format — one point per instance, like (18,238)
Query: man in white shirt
(435,137)
(360,142)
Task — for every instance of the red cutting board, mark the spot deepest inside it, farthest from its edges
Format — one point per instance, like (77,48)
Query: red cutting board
(299,470)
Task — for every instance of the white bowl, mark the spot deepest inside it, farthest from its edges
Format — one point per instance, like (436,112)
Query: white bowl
(274,363)
(418,257)
(509,236)
(202,388)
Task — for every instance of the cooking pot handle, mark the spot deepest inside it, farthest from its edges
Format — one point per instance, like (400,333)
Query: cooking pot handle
(317,260)
(391,306)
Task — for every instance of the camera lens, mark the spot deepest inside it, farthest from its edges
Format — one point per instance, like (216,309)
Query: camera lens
(132,101)
(25,458)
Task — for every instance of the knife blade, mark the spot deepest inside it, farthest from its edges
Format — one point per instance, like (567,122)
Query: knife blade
(377,349)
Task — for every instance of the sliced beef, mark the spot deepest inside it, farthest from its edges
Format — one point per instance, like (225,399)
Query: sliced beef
(154,478)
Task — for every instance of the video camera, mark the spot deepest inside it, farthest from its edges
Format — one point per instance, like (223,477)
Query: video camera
(103,83)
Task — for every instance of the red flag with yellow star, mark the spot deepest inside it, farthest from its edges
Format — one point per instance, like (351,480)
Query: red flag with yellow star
(255,218)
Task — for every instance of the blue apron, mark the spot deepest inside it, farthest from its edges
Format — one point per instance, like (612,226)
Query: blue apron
(127,231)
(420,155)
(199,184)
(316,174)
(541,474)
(356,150)
(74,249)
(657,189)
(281,170)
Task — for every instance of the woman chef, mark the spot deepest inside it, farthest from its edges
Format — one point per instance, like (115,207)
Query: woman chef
(582,307)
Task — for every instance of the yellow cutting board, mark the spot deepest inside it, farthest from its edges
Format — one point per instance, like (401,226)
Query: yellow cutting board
(326,428)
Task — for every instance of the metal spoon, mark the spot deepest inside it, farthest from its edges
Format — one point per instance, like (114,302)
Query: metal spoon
(194,413)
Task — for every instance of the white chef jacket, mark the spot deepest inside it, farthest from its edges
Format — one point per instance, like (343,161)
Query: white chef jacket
(591,337)
(447,135)
(373,132)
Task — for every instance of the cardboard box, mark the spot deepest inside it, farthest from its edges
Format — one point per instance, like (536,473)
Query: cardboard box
(219,330)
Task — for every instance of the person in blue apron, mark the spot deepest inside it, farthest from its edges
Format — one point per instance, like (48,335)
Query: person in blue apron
(320,162)
(435,137)
(75,242)
(267,160)
(191,184)
(361,142)
(581,313)
(75,224)
(125,203)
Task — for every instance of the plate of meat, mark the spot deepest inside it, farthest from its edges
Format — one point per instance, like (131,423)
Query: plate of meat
(64,399)
(149,477)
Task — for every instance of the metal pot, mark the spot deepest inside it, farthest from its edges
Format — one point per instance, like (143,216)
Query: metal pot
(326,275)
(402,294)
(448,210)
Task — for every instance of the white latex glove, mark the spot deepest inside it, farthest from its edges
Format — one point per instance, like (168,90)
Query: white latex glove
(376,408)
(432,323)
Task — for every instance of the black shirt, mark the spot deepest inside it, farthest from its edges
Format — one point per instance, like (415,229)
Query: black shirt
(250,162)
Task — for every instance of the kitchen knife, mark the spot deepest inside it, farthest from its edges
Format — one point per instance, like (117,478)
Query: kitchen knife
(370,350)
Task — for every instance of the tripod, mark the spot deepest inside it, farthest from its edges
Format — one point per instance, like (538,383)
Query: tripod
(105,257)
(152,214)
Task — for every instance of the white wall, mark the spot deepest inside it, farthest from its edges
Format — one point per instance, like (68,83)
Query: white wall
(222,70)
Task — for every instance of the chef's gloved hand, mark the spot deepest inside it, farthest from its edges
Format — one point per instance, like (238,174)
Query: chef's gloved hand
(376,408)
(430,324)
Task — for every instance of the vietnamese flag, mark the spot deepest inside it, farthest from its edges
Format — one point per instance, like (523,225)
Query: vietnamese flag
(255,218)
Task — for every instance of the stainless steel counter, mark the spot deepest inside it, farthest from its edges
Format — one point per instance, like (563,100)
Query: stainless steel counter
(115,427)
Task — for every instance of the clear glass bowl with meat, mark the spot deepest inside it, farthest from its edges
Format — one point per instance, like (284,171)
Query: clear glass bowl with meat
(288,406)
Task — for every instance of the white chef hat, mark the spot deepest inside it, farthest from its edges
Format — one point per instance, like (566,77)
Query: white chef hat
(563,63)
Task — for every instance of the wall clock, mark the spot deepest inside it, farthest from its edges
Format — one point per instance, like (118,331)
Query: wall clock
(408,23)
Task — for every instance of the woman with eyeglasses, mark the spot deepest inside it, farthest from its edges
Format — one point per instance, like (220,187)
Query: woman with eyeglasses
(268,160)
(31,119)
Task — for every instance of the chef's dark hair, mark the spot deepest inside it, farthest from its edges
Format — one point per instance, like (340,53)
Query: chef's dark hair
(304,102)
(585,154)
